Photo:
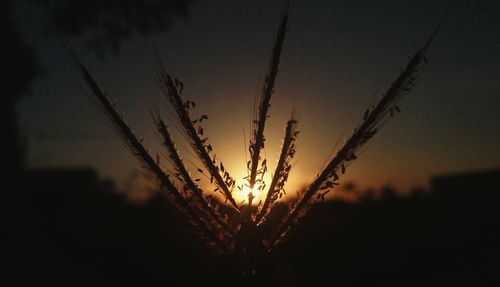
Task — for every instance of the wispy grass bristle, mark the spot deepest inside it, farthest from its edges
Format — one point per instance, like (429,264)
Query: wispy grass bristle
(187,180)
(277,187)
(372,121)
(172,89)
(257,136)
(135,146)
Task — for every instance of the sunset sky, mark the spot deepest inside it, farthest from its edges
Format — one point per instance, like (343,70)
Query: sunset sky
(339,57)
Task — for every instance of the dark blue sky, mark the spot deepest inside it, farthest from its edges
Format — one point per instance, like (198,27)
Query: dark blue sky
(336,56)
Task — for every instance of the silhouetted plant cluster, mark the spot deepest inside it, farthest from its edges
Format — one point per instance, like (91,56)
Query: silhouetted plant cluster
(240,227)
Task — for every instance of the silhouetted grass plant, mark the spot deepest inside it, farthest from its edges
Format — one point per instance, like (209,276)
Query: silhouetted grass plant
(236,227)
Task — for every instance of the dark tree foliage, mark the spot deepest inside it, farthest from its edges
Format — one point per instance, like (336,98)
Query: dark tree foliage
(105,24)
(19,66)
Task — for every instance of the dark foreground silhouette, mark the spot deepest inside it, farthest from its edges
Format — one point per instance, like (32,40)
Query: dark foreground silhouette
(68,228)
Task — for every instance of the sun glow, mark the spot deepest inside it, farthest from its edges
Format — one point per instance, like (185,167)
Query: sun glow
(254,191)
(243,193)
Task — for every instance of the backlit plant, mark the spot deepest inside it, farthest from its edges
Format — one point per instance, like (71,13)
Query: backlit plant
(238,227)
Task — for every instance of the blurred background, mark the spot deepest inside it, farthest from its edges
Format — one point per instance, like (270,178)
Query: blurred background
(417,207)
